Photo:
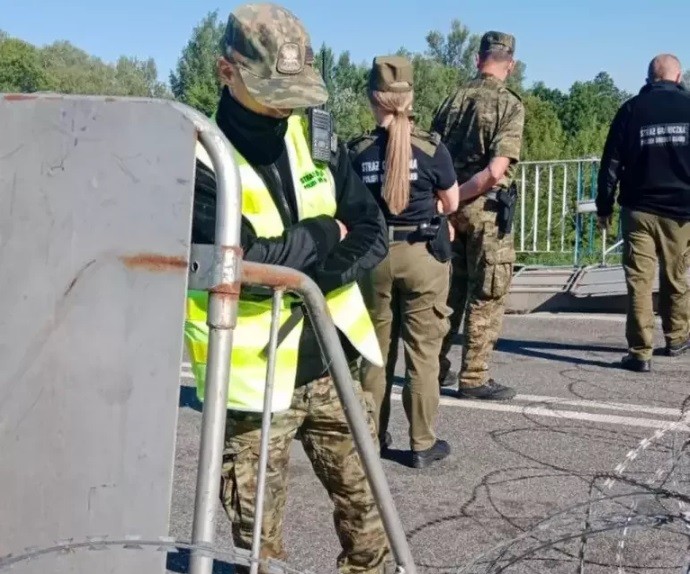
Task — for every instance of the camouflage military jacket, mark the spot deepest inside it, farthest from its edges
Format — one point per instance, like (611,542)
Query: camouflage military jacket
(483,119)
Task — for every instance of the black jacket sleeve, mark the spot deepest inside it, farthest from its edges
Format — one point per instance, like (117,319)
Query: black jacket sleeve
(611,165)
(300,247)
(366,243)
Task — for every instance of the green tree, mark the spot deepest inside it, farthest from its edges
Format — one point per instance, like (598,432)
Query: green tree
(552,95)
(195,81)
(139,78)
(433,83)
(458,50)
(71,70)
(347,87)
(544,137)
(20,67)
(590,103)
(686,79)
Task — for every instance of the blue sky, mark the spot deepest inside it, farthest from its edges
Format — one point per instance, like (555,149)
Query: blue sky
(561,42)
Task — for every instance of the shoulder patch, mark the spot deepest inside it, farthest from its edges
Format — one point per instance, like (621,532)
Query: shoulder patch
(426,141)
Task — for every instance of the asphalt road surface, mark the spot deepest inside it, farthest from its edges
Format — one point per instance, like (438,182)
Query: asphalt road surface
(584,472)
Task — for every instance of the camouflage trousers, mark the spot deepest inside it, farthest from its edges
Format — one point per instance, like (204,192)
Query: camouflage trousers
(316,413)
(482,271)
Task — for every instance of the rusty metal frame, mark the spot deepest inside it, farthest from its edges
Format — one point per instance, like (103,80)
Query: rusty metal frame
(223,287)
(284,279)
(219,270)
(281,280)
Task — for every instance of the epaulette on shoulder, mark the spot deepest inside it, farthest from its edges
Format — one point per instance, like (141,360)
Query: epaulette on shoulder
(512,91)
(428,142)
(358,144)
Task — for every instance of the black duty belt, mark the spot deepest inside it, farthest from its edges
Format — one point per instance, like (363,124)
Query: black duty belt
(401,232)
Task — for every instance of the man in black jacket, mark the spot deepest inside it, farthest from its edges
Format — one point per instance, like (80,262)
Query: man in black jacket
(266,72)
(648,152)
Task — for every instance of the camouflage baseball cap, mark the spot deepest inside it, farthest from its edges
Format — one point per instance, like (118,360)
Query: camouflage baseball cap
(391,74)
(273,52)
(497,42)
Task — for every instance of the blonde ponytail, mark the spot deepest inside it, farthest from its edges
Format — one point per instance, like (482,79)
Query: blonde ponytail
(396,185)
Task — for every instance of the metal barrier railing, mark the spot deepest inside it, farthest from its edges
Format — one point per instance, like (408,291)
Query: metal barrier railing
(220,270)
(556,221)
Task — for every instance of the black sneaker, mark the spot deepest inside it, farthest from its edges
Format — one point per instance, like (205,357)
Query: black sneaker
(423,458)
(489,391)
(677,350)
(633,363)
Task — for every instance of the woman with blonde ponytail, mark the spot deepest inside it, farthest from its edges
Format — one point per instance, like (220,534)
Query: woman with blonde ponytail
(408,171)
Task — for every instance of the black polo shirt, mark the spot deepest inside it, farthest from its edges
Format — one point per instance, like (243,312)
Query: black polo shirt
(431,169)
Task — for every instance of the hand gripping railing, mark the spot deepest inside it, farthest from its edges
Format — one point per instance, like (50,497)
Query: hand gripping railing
(220,270)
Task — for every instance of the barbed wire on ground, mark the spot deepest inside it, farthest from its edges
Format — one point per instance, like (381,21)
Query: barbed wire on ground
(223,558)
(636,513)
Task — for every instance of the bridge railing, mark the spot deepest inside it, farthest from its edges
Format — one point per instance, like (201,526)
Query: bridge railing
(555,222)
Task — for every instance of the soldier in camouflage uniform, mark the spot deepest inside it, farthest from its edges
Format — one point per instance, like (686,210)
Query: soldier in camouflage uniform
(266,70)
(482,126)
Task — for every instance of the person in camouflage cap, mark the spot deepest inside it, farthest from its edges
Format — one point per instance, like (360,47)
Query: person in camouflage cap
(274,56)
(266,70)
(482,125)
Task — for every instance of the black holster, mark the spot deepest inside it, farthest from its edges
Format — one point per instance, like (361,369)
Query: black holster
(439,245)
(507,200)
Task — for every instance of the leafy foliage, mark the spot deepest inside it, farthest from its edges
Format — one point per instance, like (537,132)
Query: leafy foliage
(20,67)
(559,124)
(195,81)
(62,67)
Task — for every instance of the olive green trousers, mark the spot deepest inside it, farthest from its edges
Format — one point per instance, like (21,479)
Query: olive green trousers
(406,296)
(648,239)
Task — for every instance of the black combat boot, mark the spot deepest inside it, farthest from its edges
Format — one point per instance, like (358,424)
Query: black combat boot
(489,391)
(677,350)
(633,363)
(423,458)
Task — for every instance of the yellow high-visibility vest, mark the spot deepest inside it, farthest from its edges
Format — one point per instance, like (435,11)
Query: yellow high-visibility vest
(315,193)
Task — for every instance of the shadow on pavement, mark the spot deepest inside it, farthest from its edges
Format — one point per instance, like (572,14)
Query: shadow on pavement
(188,398)
(178,562)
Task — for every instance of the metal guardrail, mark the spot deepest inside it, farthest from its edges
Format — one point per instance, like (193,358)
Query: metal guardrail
(106,191)
(222,274)
(556,215)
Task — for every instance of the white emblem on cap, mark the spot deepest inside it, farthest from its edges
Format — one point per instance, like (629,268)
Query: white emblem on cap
(289,59)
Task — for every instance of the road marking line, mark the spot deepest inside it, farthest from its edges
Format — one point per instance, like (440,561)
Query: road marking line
(544,412)
(629,407)
(613,317)
(663,411)
(552,413)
